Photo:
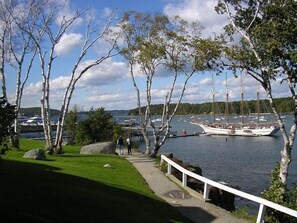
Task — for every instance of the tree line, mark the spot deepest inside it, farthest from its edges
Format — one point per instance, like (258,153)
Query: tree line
(284,105)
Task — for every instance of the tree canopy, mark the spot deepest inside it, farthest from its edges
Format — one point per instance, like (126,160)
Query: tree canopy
(263,42)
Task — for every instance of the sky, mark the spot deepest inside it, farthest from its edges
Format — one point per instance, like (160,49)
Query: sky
(109,84)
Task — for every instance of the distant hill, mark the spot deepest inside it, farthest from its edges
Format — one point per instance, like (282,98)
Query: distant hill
(284,105)
(118,112)
(37,111)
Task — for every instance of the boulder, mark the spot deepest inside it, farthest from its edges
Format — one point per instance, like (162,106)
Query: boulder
(222,198)
(37,154)
(191,182)
(97,148)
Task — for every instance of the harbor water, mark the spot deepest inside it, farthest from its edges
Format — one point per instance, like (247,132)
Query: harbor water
(240,161)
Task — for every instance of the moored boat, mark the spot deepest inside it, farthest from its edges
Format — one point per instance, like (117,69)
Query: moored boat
(268,129)
(218,127)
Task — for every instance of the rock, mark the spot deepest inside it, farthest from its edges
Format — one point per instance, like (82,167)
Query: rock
(222,198)
(107,165)
(191,182)
(97,148)
(37,154)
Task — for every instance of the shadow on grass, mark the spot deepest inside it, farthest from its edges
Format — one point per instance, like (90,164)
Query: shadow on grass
(39,193)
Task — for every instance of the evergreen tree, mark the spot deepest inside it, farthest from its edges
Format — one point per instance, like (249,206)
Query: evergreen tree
(7,115)
(97,128)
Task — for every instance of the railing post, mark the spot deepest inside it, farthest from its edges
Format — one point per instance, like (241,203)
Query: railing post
(184,182)
(261,213)
(206,192)
(169,168)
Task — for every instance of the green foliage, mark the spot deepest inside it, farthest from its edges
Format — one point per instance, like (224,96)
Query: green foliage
(164,167)
(97,128)
(71,124)
(7,115)
(275,194)
(243,213)
(117,132)
(269,29)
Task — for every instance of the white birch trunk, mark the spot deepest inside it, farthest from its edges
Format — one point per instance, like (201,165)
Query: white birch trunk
(265,81)
(142,124)
(2,75)
(159,141)
(75,77)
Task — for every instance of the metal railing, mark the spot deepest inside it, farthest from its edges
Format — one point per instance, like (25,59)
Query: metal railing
(207,183)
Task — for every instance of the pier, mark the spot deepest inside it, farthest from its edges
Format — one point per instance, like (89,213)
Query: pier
(136,133)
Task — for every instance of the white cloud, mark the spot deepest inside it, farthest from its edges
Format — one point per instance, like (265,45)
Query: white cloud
(66,14)
(108,72)
(67,42)
(206,81)
(111,98)
(200,10)
(107,12)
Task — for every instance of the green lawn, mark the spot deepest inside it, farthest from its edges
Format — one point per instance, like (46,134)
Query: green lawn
(76,188)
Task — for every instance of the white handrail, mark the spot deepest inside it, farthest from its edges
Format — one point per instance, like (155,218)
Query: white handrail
(263,202)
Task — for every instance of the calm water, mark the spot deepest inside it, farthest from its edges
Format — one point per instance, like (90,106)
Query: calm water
(241,161)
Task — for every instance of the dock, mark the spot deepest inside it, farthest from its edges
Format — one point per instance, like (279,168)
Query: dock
(184,135)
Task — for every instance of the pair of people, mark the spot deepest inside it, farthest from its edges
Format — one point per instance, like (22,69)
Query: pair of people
(120,145)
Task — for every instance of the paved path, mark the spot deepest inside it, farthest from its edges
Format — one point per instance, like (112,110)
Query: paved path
(189,202)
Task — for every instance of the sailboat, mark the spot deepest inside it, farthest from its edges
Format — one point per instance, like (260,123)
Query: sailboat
(242,128)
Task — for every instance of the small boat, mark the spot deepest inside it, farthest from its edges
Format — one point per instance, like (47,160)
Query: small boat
(35,120)
(22,118)
(157,120)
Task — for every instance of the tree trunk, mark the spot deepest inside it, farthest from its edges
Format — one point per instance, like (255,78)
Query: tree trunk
(146,140)
(287,148)
(63,113)
(45,117)
(14,136)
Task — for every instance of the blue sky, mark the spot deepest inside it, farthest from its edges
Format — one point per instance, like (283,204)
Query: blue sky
(109,84)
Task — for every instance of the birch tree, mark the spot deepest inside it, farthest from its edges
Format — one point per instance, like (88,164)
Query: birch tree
(267,50)
(153,42)
(93,34)
(5,24)
(47,32)
(20,52)
(53,21)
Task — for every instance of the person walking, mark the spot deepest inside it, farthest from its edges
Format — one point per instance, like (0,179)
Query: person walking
(121,145)
(129,145)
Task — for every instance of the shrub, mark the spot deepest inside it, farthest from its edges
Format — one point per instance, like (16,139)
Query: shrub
(275,194)
(97,128)
(7,115)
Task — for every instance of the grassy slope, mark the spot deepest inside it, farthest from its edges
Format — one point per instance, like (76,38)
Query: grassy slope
(76,188)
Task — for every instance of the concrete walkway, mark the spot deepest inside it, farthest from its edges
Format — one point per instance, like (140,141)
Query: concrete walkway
(187,201)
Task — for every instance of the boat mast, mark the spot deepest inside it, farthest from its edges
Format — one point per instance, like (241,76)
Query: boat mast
(241,104)
(227,102)
(258,105)
(213,102)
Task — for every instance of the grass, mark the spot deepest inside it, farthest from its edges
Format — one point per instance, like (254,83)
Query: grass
(76,188)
